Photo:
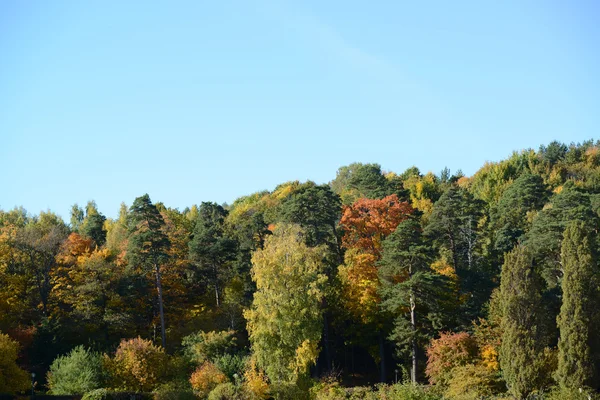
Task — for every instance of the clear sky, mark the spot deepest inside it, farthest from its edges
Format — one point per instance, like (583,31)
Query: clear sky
(210,100)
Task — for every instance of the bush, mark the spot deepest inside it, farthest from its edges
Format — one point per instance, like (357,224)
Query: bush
(449,351)
(174,390)
(206,378)
(406,391)
(78,372)
(571,394)
(255,382)
(333,391)
(138,365)
(105,394)
(474,382)
(208,346)
(225,391)
(231,364)
(12,378)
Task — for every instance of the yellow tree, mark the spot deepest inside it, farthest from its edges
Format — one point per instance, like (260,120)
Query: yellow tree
(285,321)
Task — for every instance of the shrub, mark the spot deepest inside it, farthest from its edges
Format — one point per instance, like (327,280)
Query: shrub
(571,394)
(12,378)
(105,394)
(206,378)
(138,365)
(78,372)
(449,351)
(255,382)
(406,391)
(207,346)
(231,364)
(473,382)
(225,391)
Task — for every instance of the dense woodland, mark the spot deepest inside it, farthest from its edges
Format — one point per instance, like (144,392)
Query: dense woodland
(438,285)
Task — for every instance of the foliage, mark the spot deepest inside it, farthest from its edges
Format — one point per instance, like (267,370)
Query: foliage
(106,394)
(285,320)
(473,381)
(206,377)
(255,382)
(578,320)
(225,391)
(409,289)
(208,346)
(367,222)
(78,372)
(137,365)
(231,364)
(522,357)
(399,391)
(12,378)
(448,352)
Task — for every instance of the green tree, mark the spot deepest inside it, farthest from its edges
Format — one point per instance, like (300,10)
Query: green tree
(92,225)
(578,350)
(408,288)
(509,218)
(78,372)
(285,321)
(148,246)
(546,233)
(454,229)
(211,248)
(524,337)
(361,180)
(12,377)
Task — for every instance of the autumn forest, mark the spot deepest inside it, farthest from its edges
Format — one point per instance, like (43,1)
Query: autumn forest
(377,285)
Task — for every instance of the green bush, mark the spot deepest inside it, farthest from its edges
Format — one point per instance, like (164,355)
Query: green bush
(208,346)
(78,372)
(231,364)
(105,394)
(406,391)
(225,391)
(177,389)
(333,391)
(570,394)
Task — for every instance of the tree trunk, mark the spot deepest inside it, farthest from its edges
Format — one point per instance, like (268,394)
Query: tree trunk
(326,341)
(216,285)
(413,372)
(160,306)
(381,357)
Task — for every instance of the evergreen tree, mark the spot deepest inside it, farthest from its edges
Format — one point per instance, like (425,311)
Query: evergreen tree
(524,337)
(578,318)
(408,288)
(148,246)
(211,248)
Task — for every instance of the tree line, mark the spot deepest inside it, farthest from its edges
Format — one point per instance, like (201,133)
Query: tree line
(478,285)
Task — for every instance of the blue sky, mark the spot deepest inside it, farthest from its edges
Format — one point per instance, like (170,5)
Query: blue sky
(210,100)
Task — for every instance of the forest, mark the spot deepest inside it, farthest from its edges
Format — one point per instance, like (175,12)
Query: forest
(377,285)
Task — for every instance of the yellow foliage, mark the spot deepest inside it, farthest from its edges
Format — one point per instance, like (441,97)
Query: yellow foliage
(12,378)
(137,365)
(360,284)
(255,382)
(306,353)
(489,358)
(206,377)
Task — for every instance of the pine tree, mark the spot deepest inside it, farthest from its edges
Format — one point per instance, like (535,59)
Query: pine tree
(148,245)
(580,305)
(524,337)
(408,288)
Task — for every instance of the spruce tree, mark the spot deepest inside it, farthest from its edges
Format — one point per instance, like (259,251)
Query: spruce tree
(579,311)
(524,337)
